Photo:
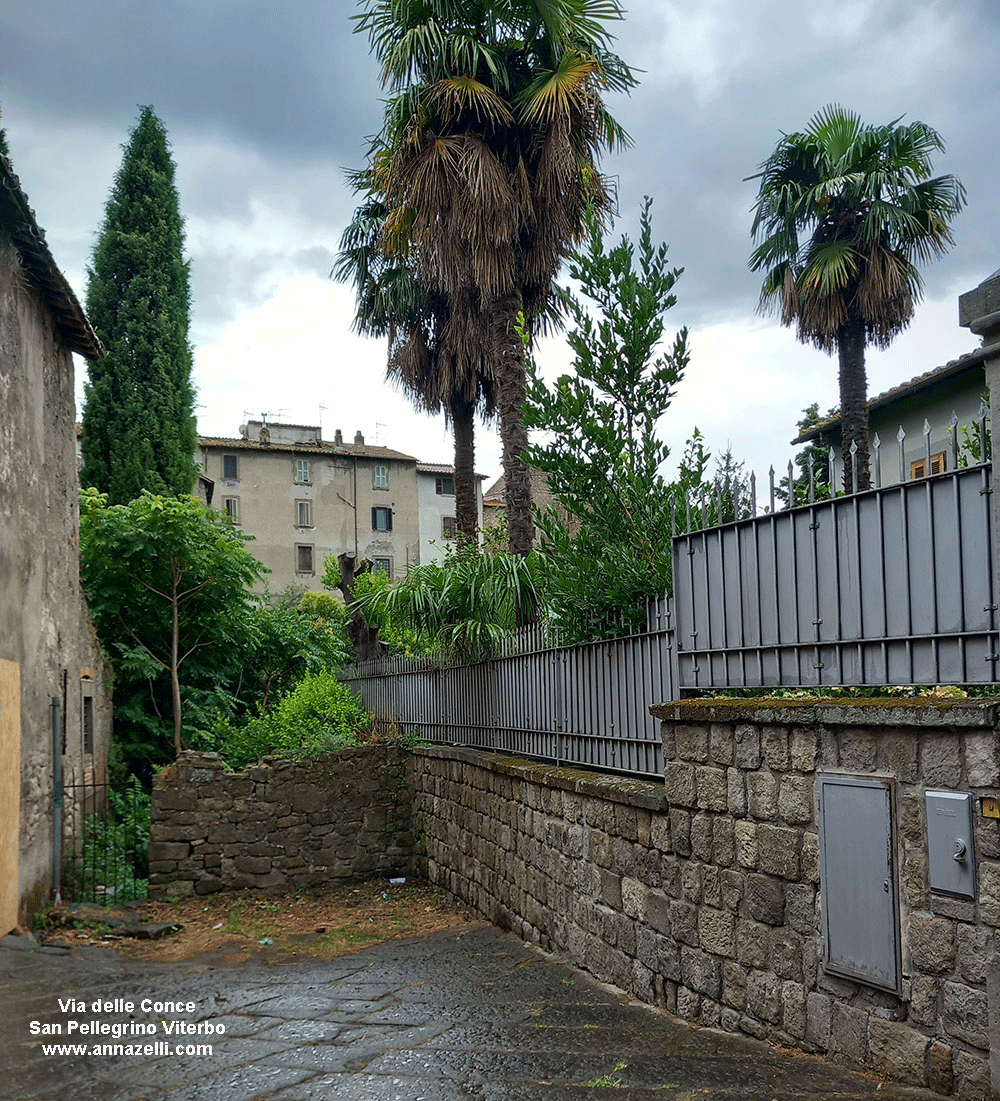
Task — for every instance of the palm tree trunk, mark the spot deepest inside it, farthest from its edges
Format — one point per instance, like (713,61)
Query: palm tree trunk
(511,391)
(853,403)
(463,424)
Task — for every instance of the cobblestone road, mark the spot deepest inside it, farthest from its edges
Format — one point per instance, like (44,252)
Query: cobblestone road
(469,1014)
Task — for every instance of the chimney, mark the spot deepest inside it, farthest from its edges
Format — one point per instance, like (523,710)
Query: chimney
(338,438)
(359,440)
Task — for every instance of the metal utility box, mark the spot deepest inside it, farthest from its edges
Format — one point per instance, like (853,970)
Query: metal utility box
(858,879)
(950,850)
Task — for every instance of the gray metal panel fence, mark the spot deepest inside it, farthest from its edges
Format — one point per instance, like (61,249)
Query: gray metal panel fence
(890,586)
(585,704)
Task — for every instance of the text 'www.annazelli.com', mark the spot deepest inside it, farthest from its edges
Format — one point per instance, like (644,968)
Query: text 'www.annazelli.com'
(161,1047)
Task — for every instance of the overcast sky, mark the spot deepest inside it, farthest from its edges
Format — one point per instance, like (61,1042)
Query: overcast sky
(266,104)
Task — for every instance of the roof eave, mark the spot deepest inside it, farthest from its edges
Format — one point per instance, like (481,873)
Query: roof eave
(899,393)
(28,240)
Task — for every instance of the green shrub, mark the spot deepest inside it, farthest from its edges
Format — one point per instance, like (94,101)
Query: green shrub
(319,715)
(323,606)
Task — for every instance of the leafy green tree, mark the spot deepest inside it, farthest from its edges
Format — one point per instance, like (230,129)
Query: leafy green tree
(138,416)
(843,213)
(4,151)
(813,462)
(604,457)
(323,608)
(168,582)
(487,164)
(286,641)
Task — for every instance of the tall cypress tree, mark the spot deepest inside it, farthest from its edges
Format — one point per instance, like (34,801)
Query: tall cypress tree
(138,418)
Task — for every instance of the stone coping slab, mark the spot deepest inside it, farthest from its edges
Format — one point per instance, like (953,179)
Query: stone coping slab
(957,714)
(616,789)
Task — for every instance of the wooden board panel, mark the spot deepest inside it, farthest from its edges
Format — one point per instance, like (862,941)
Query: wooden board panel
(10,791)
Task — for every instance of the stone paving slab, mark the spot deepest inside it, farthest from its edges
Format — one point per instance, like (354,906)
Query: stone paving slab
(464,1015)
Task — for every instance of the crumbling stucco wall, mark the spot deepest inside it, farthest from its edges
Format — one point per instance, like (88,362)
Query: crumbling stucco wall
(41,615)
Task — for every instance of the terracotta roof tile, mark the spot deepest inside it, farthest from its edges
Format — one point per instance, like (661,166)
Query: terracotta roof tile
(903,390)
(361,451)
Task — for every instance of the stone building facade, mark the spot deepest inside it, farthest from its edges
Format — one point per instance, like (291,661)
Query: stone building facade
(302,497)
(53,687)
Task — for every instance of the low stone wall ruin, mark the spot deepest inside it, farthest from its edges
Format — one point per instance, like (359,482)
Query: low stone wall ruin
(280,824)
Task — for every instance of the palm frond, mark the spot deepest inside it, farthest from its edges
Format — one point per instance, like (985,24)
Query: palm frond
(829,269)
(863,200)
(559,91)
(452,96)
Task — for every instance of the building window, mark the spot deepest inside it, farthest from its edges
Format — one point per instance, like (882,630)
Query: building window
(919,468)
(445,486)
(302,471)
(304,558)
(88,725)
(231,507)
(449,528)
(230,468)
(381,477)
(303,514)
(382,565)
(381,518)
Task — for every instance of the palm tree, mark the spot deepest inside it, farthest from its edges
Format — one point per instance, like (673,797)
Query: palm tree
(845,210)
(393,302)
(487,162)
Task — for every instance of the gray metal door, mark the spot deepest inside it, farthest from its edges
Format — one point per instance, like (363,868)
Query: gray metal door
(858,879)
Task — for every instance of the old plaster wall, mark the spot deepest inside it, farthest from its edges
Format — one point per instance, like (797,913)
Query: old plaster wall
(41,614)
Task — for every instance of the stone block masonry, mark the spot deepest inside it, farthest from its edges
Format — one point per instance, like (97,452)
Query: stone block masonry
(279,824)
(703,894)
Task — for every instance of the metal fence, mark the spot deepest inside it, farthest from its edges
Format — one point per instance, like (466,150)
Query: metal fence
(889,586)
(893,585)
(105,839)
(584,705)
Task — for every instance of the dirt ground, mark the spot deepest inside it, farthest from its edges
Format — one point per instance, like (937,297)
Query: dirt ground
(320,922)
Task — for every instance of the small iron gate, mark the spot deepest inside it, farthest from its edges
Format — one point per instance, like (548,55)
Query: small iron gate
(105,839)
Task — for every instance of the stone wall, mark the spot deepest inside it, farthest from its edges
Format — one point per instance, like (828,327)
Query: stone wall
(279,824)
(44,627)
(704,895)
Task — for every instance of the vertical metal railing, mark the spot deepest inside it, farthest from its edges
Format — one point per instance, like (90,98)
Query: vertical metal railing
(585,704)
(105,841)
(893,585)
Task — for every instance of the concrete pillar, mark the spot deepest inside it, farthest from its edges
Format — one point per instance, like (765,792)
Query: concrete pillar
(979,311)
